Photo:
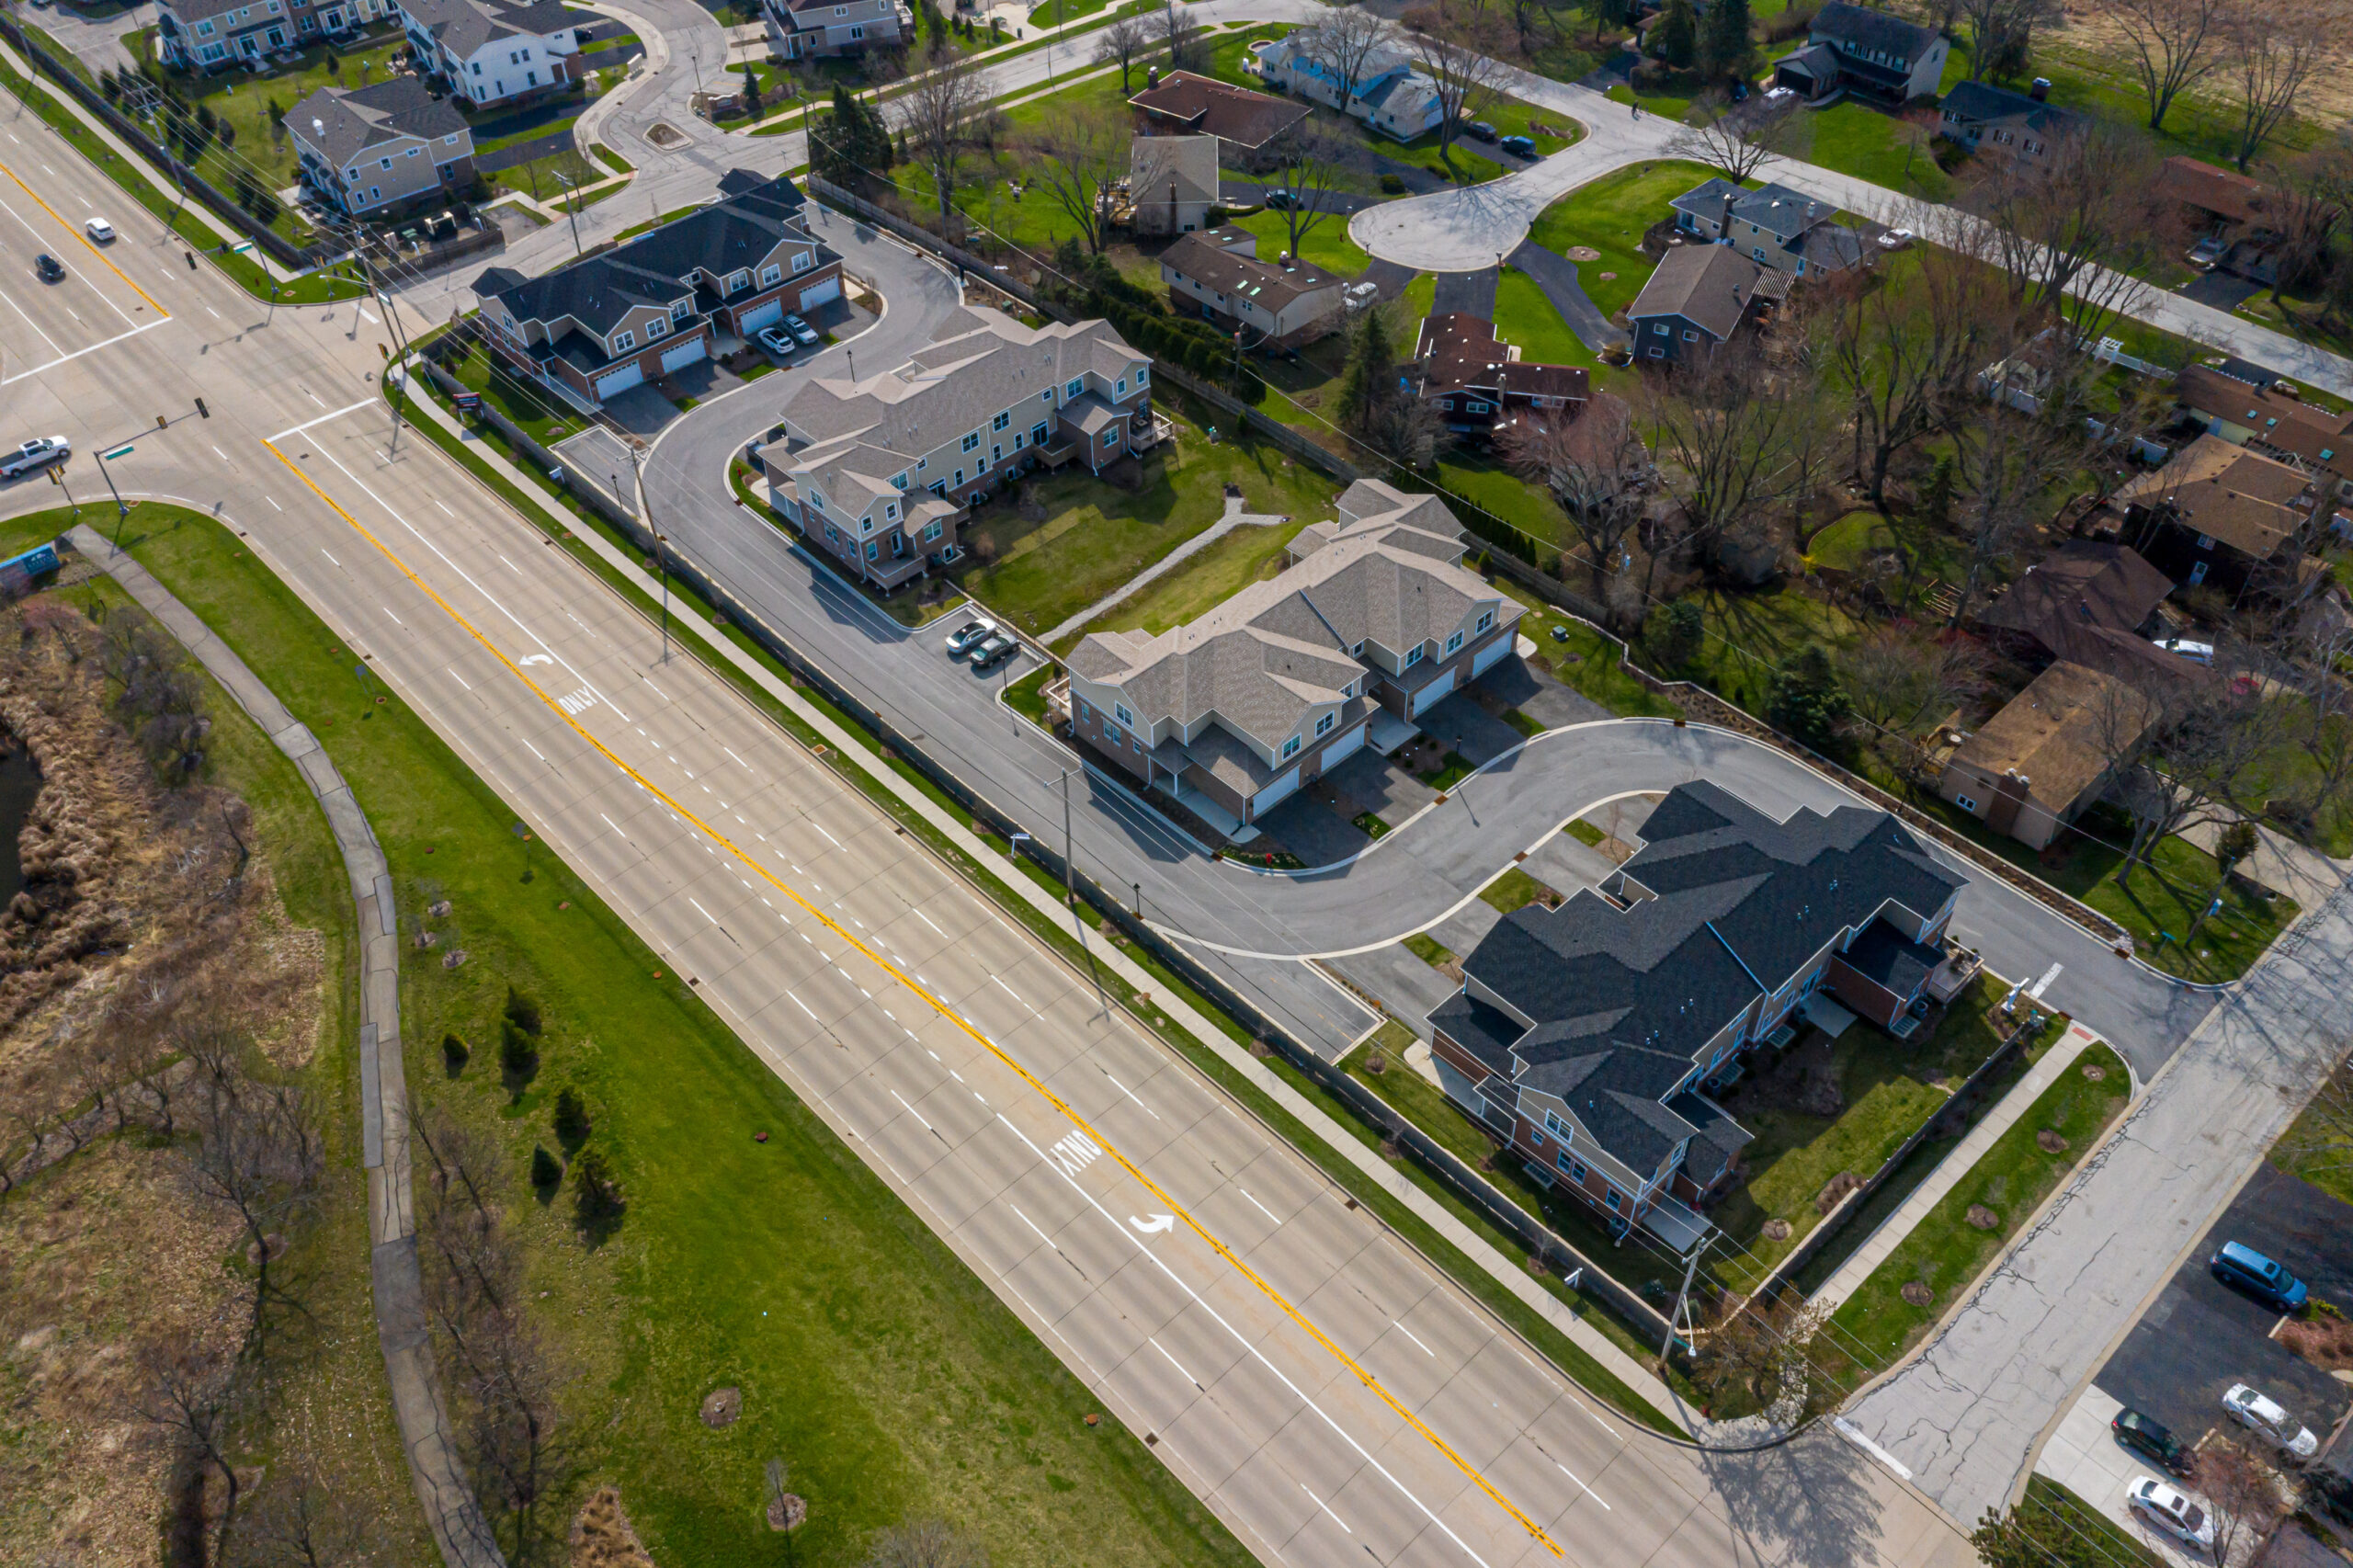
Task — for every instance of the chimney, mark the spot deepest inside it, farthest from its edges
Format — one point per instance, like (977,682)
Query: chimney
(1725,237)
(1151,77)
(2039,91)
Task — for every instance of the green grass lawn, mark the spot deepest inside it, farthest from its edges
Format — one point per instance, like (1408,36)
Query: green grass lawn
(544,417)
(1583,658)
(1611,215)
(1206,579)
(1667,105)
(1857,139)
(1946,1253)
(1096,537)
(542,178)
(890,1378)
(1054,12)
(2308,1149)
(243,101)
(1527,320)
(1515,890)
(1887,1089)
(1427,948)
(1326,245)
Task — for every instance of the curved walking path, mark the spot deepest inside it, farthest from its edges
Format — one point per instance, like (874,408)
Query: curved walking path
(450,1511)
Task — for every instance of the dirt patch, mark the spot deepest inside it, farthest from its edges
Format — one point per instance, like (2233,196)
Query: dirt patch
(1582,253)
(788,1512)
(1803,1078)
(1777,1230)
(1919,1295)
(1839,1187)
(2324,1340)
(721,1406)
(2049,1142)
(2094,1071)
(1982,1218)
(602,1536)
(666,136)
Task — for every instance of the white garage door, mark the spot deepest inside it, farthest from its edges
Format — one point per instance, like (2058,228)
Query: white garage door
(684,354)
(764,315)
(1434,693)
(1276,793)
(821,294)
(621,380)
(1346,745)
(1484,659)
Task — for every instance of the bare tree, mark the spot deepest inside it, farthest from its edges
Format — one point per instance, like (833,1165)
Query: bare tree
(1185,40)
(2268,62)
(305,1520)
(1899,680)
(1346,41)
(1736,141)
(926,1543)
(1760,1348)
(1124,43)
(2210,735)
(2001,31)
(2319,1144)
(1075,159)
(2316,716)
(2072,233)
(1596,467)
(508,1432)
(2309,203)
(937,112)
(1308,161)
(192,1399)
(2175,44)
(2006,462)
(257,1154)
(2241,1494)
(1456,50)
(1738,441)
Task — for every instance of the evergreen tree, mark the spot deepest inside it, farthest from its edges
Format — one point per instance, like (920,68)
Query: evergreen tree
(522,1012)
(834,140)
(571,1118)
(546,1169)
(1936,499)
(1675,36)
(1371,377)
(1673,635)
(454,1053)
(600,1190)
(1723,45)
(1806,700)
(518,1054)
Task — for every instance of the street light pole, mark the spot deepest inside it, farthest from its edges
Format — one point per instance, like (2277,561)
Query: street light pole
(661,560)
(570,184)
(121,512)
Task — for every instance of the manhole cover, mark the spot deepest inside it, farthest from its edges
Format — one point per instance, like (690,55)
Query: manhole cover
(664,134)
(1582,253)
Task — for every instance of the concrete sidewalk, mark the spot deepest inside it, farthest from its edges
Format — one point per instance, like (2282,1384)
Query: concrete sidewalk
(1955,1166)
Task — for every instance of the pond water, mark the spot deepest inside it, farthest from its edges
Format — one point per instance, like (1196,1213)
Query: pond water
(19,784)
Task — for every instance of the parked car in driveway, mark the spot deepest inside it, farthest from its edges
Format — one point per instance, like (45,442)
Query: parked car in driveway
(996,651)
(1521,146)
(2151,1441)
(802,333)
(970,635)
(2171,1510)
(1277,199)
(2244,1268)
(777,341)
(1481,129)
(2259,1413)
(33,454)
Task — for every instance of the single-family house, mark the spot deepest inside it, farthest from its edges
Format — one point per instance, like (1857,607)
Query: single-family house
(1172,183)
(1780,228)
(878,472)
(813,29)
(1232,712)
(2231,217)
(494,51)
(1388,94)
(2257,414)
(2050,752)
(1217,274)
(2025,126)
(1181,103)
(2090,603)
(213,35)
(1480,383)
(1875,55)
(656,304)
(1697,298)
(2226,517)
(1587,1037)
(373,150)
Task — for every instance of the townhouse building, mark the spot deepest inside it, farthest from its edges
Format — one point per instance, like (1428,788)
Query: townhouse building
(371,152)
(815,29)
(1232,712)
(596,327)
(1388,95)
(1588,1036)
(879,472)
(214,34)
(494,51)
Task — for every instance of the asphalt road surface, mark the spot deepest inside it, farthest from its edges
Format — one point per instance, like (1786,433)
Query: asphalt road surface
(1327,1393)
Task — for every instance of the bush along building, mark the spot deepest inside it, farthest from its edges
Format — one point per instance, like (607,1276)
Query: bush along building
(1374,622)
(1587,1037)
(879,472)
(595,328)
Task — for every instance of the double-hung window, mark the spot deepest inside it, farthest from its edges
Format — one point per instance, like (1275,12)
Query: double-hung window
(772,274)
(1413,655)
(1486,619)
(1324,725)
(1073,389)
(971,442)
(1291,748)
(801,262)
(1120,711)
(1454,642)
(624,342)
(656,328)
(1001,421)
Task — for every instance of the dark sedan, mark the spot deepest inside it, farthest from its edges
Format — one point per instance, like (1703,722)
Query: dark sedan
(2150,1440)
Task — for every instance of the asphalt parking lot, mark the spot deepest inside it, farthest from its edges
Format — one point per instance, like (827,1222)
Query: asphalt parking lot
(2199,1337)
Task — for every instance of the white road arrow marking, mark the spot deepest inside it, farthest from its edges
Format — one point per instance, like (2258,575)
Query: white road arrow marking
(1156,1223)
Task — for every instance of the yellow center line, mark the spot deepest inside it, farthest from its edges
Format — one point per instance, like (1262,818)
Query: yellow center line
(86,243)
(943,1009)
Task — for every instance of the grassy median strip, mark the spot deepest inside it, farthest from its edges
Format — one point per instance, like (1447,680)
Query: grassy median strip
(1467,1273)
(886,1374)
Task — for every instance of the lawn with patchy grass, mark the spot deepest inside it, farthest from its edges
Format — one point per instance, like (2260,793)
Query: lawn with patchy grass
(1855,139)
(1946,1253)
(1526,319)
(244,101)
(2309,1149)
(1611,215)
(543,179)
(1094,536)
(1427,948)
(898,1383)
(1578,656)
(1515,890)
(1205,580)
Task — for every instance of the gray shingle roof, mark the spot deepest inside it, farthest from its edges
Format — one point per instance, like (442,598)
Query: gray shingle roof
(1710,285)
(1873,29)
(1776,209)
(1980,103)
(464,25)
(339,122)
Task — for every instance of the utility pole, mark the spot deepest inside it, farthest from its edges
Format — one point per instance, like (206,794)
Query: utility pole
(1681,1298)
(661,560)
(575,213)
(121,512)
(1070,863)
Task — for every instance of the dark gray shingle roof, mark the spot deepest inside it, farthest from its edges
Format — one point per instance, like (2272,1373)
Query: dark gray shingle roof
(341,122)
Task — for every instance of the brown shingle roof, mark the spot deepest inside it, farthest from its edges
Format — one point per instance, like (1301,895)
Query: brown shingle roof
(1462,351)
(2225,195)
(2276,419)
(1216,109)
(2101,585)
(2061,732)
(1221,259)
(2247,501)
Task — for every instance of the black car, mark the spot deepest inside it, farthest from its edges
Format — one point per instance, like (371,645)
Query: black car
(48,267)
(1518,146)
(2151,1441)
(1482,131)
